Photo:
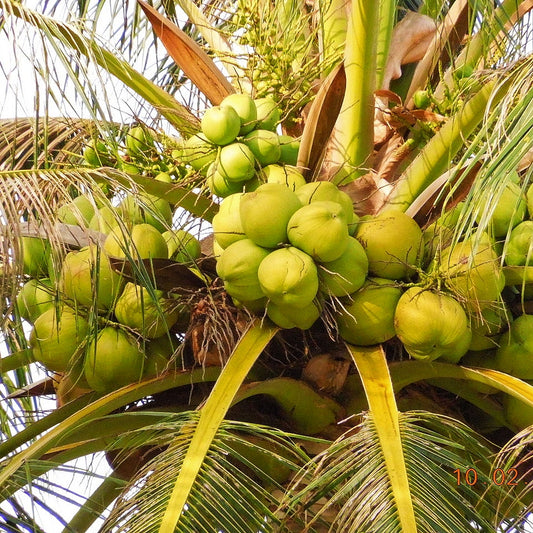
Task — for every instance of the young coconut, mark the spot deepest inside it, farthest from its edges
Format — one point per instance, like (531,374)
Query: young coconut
(219,185)
(35,256)
(183,247)
(114,359)
(487,327)
(77,212)
(367,318)
(432,325)
(515,352)
(264,145)
(346,274)
(265,213)
(519,250)
(137,309)
(289,150)
(320,230)
(238,267)
(57,338)
(393,243)
(245,108)
(289,277)
(518,413)
(227,226)
(145,242)
(88,279)
(35,297)
(146,209)
(220,125)
(199,152)
(288,317)
(268,114)
(287,175)
(236,162)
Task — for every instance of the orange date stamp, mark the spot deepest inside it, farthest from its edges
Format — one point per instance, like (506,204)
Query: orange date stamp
(498,476)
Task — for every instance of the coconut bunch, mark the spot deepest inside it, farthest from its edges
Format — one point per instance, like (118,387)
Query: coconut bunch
(89,321)
(237,143)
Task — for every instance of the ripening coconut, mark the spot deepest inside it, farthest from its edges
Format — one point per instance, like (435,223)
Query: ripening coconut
(35,256)
(144,242)
(113,360)
(57,338)
(244,105)
(221,125)
(236,162)
(432,325)
(519,249)
(319,191)
(367,318)
(287,175)
(393,243)
(508,208)
(288,317)
(264,145)
(77,212)
(87,278)
(289,150)
(35,297)
(345,274)
(515,352)
(147,312)
(238,267)
(265,213)
(199,152)
(227,226)
(320,230)
(471,270)
(268,114)
(289,277)
(219,185)
(182,245)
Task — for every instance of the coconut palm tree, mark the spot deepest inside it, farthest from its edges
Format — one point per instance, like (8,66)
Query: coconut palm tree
(242,414)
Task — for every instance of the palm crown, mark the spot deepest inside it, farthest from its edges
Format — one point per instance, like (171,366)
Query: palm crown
(295,295)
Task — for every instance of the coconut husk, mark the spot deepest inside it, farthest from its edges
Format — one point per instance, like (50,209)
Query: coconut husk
(326,372)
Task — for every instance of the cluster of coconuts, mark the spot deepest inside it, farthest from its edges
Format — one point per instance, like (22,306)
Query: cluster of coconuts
(238,138)
(88,321)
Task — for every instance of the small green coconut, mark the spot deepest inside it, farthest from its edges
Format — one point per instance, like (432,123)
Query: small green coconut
(288,317)
(113,360)
(35,297)
(287,175)
(346,274)
(236,162)
(145,242)
(77,212)
(227,226)
(432,325)
(238,267)
(289,277)
(519,250)
(367,317)
(268,114)
(199,152)
(264,145)
(320,230)
(182,245)
(265,213)
(220,125)
(393,243)
(245,107)
(35,256)
(515,353)
(289,150)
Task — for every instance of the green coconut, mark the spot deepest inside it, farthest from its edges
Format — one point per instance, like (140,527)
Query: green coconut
(288,317)
(227,226)
(77,212)
(219,185)
(289,277)
(139,142)
(264,144)
(518,414)
(104,220)
(287,175)
(238,267)
(481,359)
(159,353)
(35,297)
(245,108)
(345,274)
(265,213)
(57,338)
(515,353)
(182,245)
(320,230)
(432,325)
(88,279)
(145,242)
(146,209)
(199,152)
(367,318)
(147,312)
(268,114)
(393,243)
(113,360)
(471,270)
(507,209)
(289,150)
(519,249)
(319,191)
(487,327)
(35,256)
(236,162)
(220,125)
